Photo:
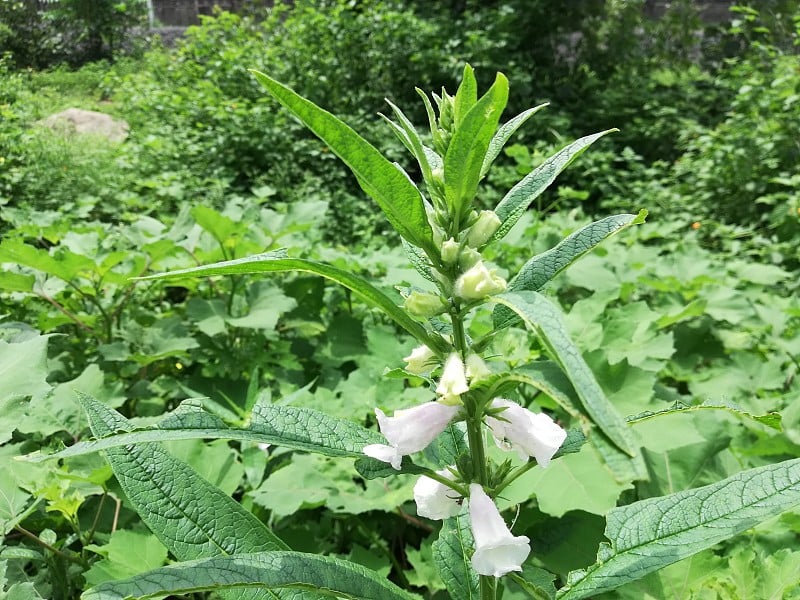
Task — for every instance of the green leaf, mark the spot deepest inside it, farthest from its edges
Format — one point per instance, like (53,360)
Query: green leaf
(653,533)
(543,267)
(126,553)
(272,570)
(519,198)
(467,149)
(466,95)
(16,282)
(540,315)
(199,522)
(23,369)
(64,264)
(277,261)
(451,552)
(412,140)
(772,419)
(288,426)
(504,133)
(397,196)
(537,582)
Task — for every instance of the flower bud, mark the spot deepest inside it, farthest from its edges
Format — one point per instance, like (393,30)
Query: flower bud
(528,433)
(497,551)
(424,304)
(478,283)
(454,380)
(450,251)
(435,500)
(420,361)
(468,258)
(483,229)
(409,431)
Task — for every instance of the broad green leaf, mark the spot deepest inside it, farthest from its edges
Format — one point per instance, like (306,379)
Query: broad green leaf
(397,196)
(451,554)
(540,315)
(127,553)
(218,225)
(543,267)
(519,198)
(288,426)
(577,481)
(63,264)
(23,369)
(16,591)
(16,282)
(277,261)
(201,521)
(467,149)
(272,570)
(653,533)
(504,133)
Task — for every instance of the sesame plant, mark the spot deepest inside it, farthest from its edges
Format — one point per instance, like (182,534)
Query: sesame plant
(469,441)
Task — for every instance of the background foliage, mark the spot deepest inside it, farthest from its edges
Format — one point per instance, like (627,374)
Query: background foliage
(697,308)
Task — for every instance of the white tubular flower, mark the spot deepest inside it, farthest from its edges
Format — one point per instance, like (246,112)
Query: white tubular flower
(409,431)
(479,282)
(420,361)
(454,380)
(526,432)
(435,500)
(497,552)
(483,229)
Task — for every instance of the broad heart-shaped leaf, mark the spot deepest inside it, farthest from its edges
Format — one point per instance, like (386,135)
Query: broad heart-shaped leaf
(544,318)
(276,261)
(653,533)
(504,133)
(519,198)
(328,576)
(191,517)
(397,196)
(540,269)
(467,149)
(451,552)
(288,426)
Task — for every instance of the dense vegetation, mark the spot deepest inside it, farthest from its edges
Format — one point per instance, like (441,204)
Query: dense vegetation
(695,310)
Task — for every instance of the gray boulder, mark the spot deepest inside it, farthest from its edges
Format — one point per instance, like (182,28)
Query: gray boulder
(78,121)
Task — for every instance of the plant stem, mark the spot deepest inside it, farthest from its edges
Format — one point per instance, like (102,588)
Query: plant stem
(474,421)
(47,546)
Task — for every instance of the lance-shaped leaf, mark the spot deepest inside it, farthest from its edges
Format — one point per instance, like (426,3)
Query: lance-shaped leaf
(451,555)
(466,95)
(504,133)
(409,136)
(540,269)
(519,198)
(541,316)
(191,517)
(772,419)
(288,426)
(277,261)
(653,533)
(399,199)
(328,576)
(467,149)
